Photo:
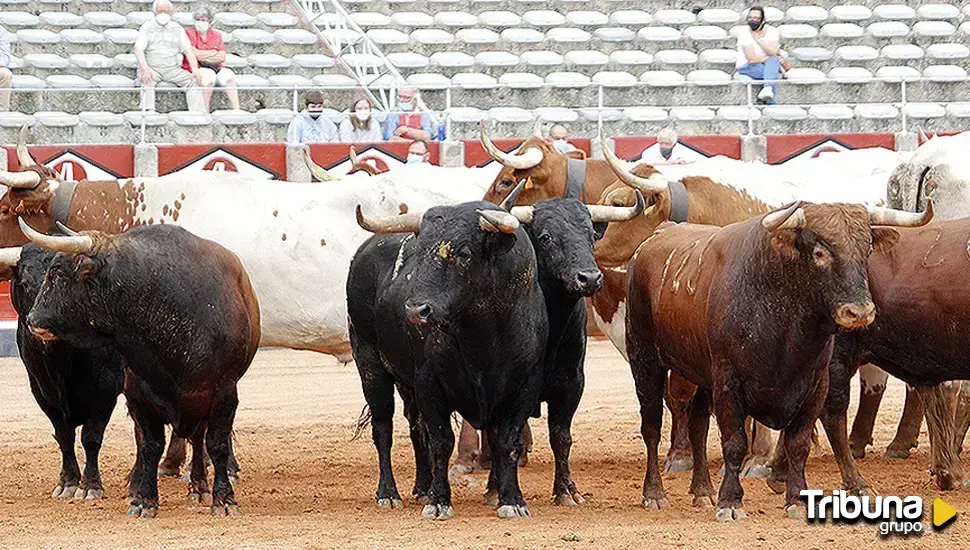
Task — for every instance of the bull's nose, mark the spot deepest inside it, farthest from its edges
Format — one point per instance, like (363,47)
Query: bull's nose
(418,313)
(589,281)
(856,315)
(43,334)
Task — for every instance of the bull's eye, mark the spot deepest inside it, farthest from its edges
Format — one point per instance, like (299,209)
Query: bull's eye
(821,256)
(545,238)
(505,183)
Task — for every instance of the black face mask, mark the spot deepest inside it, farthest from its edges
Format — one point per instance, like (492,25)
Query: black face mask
(756,24)
(315,114)
(666,151)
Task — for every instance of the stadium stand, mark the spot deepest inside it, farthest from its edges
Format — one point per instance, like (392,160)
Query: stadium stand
(648,62)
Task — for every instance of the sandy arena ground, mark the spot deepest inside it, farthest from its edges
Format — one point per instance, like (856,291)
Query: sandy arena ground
(305,484)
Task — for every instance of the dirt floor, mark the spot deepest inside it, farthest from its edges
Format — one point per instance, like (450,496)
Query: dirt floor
(305,484)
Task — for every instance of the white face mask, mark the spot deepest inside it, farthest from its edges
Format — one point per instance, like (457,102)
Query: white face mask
(414,158)
(162,18)
(560,145)
(202,26)
(406,105)
(363,115)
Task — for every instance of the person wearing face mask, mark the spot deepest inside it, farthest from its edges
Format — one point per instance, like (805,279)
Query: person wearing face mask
(410,120)
(418,152)
(309,125)
(360,126)
(157,48)
(667,150)
(759,54)
(210,50)
(558,136)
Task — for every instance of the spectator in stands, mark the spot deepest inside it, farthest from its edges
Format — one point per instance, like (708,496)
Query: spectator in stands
(411,120)
(6,77)
(160,40)
(309,125)
(210,50)
(418,152)
(668,150)
(759,54)
(360,125)
(558,135)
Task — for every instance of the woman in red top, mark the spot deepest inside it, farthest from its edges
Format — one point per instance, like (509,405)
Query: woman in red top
(211,53)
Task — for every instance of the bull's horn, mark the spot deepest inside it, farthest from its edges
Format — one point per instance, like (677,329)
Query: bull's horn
(404,223)
(20,180)
(319,172)
(66,230)
(23,155)
(353,155)
(900,218)
(923,138)
(10,255)
(79,244)
(653,185)
(537,129)
(523,213)
(792,217)
(530,158)
(497,220)
(509,201)
(601,213)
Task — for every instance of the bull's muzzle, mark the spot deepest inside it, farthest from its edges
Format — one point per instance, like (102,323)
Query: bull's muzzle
(417,313)
(854,316)
(43,334)
(589,282)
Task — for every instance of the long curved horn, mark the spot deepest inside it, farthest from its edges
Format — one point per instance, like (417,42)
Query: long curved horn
(509,201)
(653,185)
(923,138)
(353,155)
(601,213)
(404,223)
(10,256)
(537,129)
(80,244)
(900,218)
(523,213)
(319,172)
(23,155)
(20,180)
(66,230)
(792,217)
(530,158)
(497,220)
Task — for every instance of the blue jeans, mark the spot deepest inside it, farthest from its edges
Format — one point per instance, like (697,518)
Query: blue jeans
(769,70)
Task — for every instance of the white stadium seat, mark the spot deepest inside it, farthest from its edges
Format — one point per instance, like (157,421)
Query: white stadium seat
(934,29)
(662,79)
(234,118)
(293,37)
(925,110)
(185,19)
(290,81)
(523,36)
(254,81)
(81,36)
(56,119)
(586,58)
(105,19)
(772,14)
(567,35)
(542,58)
(432,37)
(587,18)
(898,52)
(311,61)
(632,18)
(188,118)
(784,112)
(856,53)
(412,19)
(499,19)
(152,119)
(477,36)
(705,32)
(888,29)
(453,60)
(739,113)
(269,61)
(456,19)
(387,37)
(692,114)
(111,81)
(659,34)
(510,115)
(812,54)
(797,31)
(496,59)
(841,30)
(138,18)
(370,19)
(253,36)
(91,61)
(522,81)
(593,114)
(631,57)
(718,16)
(830,112)
(121,36)
(126,60)
(101,119)
(466,114)
(66,81)
(959,109)
(947,51)
(567,79)
(900,12)
(20,19)
(408,60)
(543,18)
(234,19)
(429,81)
(893,73)
(45,61)
(614,34)
(675,57)
(850,75)
(806,14)
(718,56)
(876,111)
(61,19)
(278,19)
(556,114)
(27,82)
(37,36)
(709,77)
(674,17)
(944,73)
(850,13)
(645,114)
(938,11)
(805,75)
(614,79)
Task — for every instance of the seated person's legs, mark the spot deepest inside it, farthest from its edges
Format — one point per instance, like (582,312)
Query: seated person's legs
(227,79)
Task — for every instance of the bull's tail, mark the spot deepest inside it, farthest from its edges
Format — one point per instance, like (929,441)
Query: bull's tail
(362,422)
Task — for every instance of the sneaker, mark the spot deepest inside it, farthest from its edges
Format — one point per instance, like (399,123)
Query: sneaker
(766,95)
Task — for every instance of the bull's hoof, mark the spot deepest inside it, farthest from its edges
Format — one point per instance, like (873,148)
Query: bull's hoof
(703,501)
(390,503)
(513,511)
(438,511)
(490,498)
(862,490)
(725,515)
(89,494)
(947,481)
(65,491)
(142,510)
(858,450)
(460,470)
(570,498)
(420,498)
(897,453)
(196,497)
(796,511)
(776,484)
(678,465)
(651,503)
(169,470)
(225,510)
(756,468)
(523,459)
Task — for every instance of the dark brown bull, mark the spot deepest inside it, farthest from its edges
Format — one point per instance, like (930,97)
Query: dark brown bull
(748,313)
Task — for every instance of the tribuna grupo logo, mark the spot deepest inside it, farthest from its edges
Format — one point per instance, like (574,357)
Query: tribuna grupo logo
(894,515)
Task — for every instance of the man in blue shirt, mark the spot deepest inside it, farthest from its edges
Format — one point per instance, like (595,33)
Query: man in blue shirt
(410,120)
(309,125)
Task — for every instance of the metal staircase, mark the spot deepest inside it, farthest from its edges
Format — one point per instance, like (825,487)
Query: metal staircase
(352,49)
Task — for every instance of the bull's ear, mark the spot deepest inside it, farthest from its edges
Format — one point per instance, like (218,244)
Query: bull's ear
(85,266)
(884,238)
(498,244)
(784,244)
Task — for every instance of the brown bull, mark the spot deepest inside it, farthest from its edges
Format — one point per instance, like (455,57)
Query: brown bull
(748,313)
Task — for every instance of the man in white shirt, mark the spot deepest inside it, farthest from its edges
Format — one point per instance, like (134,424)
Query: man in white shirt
(6,77)
(759,54)
(559,138)
(160,40)
(667,150)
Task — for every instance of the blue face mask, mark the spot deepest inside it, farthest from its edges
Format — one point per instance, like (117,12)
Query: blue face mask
(414,158)
(665,152)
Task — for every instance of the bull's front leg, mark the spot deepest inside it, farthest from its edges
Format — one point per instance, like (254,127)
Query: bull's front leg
(561,411)
(940,421)
(734,445)
(70,478)
(419,443)
(506,441)
(798,443)
(217,442)
(441,442)
(92,436)
(198,476)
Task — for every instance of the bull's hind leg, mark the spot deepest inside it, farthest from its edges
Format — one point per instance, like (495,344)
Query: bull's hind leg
(150,435)
(174,457)
(506,441)
(561,411)
(441,442)
(962,416)
(649,378)
(198,476)
(940,423)
(834,421)
(699,420)
(378,386)
(419,443)
(92,436)
(221,417)
(798,443)
(756,463)
(468,450)
(678,395)
(907,433)
(872,386)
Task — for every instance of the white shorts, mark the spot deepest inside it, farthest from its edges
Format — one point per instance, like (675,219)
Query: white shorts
(223,78)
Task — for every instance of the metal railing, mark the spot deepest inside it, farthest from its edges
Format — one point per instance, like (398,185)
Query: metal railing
(901,102)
